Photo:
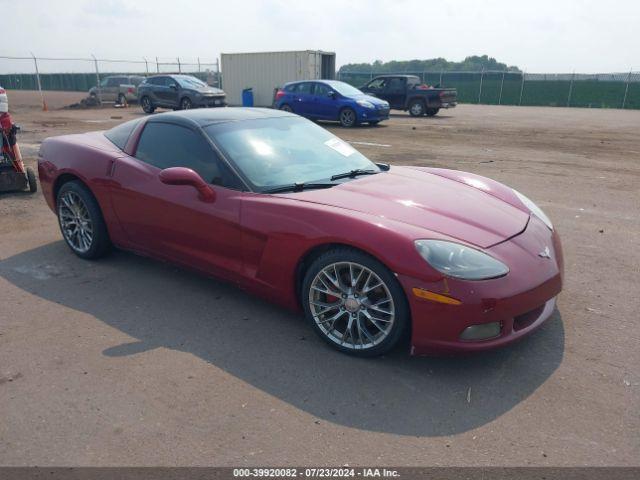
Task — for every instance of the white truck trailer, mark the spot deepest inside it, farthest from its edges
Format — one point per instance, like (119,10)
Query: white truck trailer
(263,72)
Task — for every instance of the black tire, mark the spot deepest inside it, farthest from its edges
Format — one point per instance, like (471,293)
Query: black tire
(286,108)
(431,112)
(147,105)
(400,324)
(122,100)
(416,108)
(348,117)
(186,104)
(33,183)
(100,243)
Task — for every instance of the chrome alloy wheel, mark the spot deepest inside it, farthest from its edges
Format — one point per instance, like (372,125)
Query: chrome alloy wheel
(75,222)
(351,305)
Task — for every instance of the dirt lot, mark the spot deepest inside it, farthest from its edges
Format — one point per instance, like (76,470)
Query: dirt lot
(128,361)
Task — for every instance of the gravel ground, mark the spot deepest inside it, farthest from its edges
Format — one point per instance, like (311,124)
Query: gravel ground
(128,361)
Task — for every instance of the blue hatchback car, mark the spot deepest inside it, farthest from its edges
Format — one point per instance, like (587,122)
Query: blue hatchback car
(331,100)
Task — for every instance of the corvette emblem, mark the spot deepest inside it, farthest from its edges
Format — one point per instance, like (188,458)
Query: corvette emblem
(546,253)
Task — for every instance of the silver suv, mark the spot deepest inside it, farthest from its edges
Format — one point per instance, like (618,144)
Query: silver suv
(117,88)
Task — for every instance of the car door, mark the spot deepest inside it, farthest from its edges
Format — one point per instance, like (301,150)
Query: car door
(325,104)
(395,91)
(111,90)
(165,95)
(169,221)
(303,99)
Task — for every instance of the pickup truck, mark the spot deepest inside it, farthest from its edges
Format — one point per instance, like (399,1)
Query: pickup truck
(117,88)
(406,92)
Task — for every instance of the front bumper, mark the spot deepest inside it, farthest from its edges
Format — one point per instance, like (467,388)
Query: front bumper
(519,302)
(373,114)
(209,102)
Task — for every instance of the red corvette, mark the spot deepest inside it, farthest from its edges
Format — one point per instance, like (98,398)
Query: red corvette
(276,204)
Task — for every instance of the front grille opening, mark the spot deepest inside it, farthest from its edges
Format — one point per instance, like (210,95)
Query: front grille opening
(527,319)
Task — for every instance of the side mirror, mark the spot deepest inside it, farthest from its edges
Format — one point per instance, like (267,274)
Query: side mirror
(186,176)
(331,94)
(173,86)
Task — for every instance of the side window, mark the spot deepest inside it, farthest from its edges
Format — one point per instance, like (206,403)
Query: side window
(291,88)
(158,81)
(321,90)
(165,145)
(304,88)
(377,84)
(396,85)
(113,82)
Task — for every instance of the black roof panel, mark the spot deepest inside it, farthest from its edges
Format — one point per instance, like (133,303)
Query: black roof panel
(207,116)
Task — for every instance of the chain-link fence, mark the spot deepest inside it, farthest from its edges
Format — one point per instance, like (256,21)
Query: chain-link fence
(608,90)
(80,74)
(604,90)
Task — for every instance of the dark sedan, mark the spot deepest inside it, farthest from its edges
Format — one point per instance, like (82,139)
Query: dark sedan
(179,92)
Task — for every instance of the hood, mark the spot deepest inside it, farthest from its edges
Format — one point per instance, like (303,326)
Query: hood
(428,201)
(209,91)
(375,100)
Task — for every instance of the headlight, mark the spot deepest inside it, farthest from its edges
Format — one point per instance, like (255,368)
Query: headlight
(536,210)
(365,104)
(460,261)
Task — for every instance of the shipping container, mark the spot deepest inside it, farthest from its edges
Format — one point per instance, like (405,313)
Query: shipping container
(265,71)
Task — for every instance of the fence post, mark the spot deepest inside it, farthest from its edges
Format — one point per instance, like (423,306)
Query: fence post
(570,89)
(95,62)
(626,89)
(179,67)
(423,76)
(522,87)
(480,91)
(198,64)
(501,85)
(146,65)
(44,104)
(218,75)
(157,66)
(441,84)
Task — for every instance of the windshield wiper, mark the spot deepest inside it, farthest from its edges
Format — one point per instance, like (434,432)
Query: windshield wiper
(298,187)
(354,173)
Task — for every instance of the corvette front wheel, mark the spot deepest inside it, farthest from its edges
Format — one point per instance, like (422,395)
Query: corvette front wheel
(355,303)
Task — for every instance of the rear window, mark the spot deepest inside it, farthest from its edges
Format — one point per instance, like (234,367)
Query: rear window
(120,135)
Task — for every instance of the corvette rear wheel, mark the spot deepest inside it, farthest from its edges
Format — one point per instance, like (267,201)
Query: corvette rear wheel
(354,303)
(81,222)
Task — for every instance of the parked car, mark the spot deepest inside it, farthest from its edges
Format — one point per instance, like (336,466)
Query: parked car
(406,92)
(117,88)
(331,100)
(180,92)
(280,206)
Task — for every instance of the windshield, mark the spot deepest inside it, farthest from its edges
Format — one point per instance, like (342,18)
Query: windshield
(190,82)
(280,151)
(344,89)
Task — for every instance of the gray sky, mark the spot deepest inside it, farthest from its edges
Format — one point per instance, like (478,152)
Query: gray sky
(538,36)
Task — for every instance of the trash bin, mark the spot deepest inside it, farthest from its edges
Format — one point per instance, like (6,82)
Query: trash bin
(247,97)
